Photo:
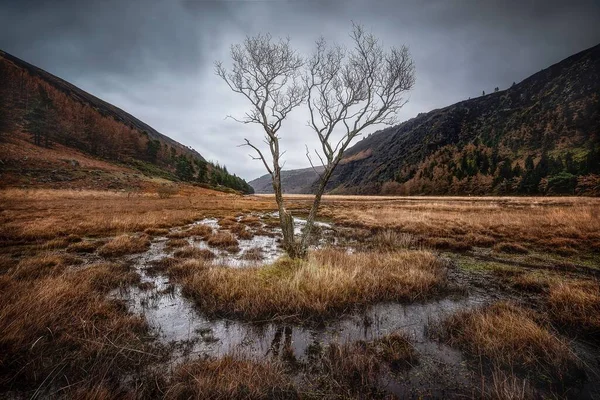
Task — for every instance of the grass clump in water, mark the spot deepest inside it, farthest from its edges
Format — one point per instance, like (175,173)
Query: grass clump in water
(330,282)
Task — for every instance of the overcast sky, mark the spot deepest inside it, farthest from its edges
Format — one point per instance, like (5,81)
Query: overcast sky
(154,59)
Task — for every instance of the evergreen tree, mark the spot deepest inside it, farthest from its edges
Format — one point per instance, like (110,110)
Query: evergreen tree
(41,120)
(184,169)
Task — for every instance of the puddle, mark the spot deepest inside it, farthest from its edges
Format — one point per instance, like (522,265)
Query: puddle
(270,249)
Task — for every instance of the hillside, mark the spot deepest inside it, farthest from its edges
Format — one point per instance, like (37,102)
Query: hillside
(293,181)
(540,136)
(55,117)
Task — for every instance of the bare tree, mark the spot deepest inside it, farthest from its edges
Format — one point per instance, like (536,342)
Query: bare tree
(267,73)
(346,92)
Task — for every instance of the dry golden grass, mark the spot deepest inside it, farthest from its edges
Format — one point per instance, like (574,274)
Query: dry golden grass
(176,243)
(507,386)
(330,282)
(156,231)
(230,377)
(124,244)
(576,304)
(194,252)
(222,239)
(85,246)
(389,239)
(30,215)
(509,336)
(241,231)
(483,221)
(42,265)
(62,332)
(349,371)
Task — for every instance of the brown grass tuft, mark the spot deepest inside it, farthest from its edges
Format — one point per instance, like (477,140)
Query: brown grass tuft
(200,230)
(86,246)
(448,244)
(194,252)
(222,239)
(508,335)
(481,240)
(176,243)
(61,331)
(57,243)
(576,304)
(124,244)
(389,239)
(242,231)
(250,220)
(353,370)
(230,377)
(42,265)
(330,282)
(184,268)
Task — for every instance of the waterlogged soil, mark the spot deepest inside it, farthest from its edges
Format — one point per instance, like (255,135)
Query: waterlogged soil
(441,371)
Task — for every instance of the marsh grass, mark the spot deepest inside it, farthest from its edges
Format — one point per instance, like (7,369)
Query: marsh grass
(230,377)
(43,265)
(349,371)
(389,239)
(576,305)
(330,283)
(510,337)
(124,244)
(354,370)
(222,239)
(176,243)
(60,333)
(85,246)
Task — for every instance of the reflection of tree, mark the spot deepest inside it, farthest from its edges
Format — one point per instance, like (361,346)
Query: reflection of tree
(281,345)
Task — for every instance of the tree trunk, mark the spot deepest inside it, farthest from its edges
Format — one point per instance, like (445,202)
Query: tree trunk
(286,221)
(312,215)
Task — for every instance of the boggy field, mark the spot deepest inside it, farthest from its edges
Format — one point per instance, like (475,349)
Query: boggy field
(113,295)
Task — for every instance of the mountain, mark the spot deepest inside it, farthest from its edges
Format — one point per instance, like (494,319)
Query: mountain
(59,117)
(540,136)
(292,181)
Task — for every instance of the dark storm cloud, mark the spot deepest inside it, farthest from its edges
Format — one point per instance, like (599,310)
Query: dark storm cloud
(155,58)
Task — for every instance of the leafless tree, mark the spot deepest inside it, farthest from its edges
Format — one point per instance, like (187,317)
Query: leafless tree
(346,91)
(268,73)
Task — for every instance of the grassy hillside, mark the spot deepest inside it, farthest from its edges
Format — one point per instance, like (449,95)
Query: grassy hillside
(54,114)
